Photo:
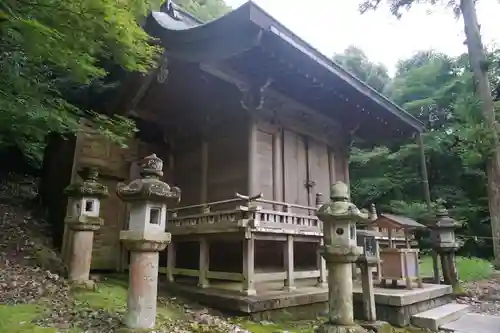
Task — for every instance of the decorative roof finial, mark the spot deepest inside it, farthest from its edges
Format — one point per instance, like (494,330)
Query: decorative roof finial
(373,212)
(319,199)
(151,167)
(149,187)
(168,8)
(339,192)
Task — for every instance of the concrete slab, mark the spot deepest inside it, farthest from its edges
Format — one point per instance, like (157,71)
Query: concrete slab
(403,297)
(474,323)
(275,299)
(434,318)
(395,306)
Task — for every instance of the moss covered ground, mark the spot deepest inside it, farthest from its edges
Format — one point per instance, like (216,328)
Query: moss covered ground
(109,302)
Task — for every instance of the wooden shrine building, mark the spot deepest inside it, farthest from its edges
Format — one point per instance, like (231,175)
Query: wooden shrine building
(238,105)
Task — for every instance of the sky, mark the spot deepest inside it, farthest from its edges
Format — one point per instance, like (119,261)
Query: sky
(332,25)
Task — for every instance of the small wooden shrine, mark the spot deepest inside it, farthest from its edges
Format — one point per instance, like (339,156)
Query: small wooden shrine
(253,125)
(399,263)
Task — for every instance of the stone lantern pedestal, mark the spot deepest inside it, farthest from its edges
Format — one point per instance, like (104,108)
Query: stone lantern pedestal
(445,245)
(83,219)
(340,251)
(145,238)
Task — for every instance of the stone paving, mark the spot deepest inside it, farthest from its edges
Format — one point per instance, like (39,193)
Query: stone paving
(474,323)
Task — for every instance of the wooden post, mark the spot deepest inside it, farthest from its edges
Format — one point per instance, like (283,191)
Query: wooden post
(252,157)
(277,169)
(379,262)
(427,196)
(170,262)
(331,168)
(322,283)
(369,310)
(204,171)
(407,239)
(389,236)
(204,263)
(405,270)
(289,267)
(249,266)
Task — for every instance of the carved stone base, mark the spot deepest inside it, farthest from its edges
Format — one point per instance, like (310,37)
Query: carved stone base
(84,223)
(332,328)
(145,242)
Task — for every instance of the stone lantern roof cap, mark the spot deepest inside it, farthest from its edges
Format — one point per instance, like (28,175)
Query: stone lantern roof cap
(89,187)
(444,221)
(340,207)
(149,187)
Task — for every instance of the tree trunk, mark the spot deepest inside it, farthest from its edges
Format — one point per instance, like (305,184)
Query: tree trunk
(477,58)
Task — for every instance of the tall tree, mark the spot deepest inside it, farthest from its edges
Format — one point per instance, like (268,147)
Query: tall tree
(437,89)
(479,67)
(355,61)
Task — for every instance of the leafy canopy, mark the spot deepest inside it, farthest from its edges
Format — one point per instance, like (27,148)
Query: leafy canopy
(439,90)
(356,62)
(48,45)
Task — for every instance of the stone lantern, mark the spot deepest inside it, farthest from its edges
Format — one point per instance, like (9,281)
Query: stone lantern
(340,251)
(147,197)
(445,244)
(83,219)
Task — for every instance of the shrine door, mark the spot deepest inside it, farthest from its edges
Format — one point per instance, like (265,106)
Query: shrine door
(306,169)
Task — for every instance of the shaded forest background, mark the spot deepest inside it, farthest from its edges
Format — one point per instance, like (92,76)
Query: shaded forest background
(64,60)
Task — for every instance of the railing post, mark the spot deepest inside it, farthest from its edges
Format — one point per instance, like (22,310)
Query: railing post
(204,263)
(170,261)
(288,249)
(249,266)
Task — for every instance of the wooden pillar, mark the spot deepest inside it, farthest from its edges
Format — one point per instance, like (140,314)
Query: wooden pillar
(379,262)
(322,283)
(407,239)
(389,236)
(427,196)
(252,156)
(249,266)
(277,169)
(204,263)
(346,170)
(204,171)
(369,310)
(407,276)
(170,261)
(331,168)
(289,267)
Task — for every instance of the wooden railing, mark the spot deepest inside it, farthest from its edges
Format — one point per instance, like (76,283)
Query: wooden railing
(247,213)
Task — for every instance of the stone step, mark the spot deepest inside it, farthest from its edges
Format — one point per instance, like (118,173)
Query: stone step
(473,323)
(433,319)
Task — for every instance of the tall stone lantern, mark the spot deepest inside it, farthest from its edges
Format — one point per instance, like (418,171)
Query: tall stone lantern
(445,244)
(340,251)
(147,197)
(83,219)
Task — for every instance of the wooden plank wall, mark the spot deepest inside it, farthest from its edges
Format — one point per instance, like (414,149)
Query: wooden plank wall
(300,156)
(115,166)
(214,167)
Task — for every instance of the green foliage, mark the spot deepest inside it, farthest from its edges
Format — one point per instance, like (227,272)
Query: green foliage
(469,269)
(18,318)
(438,90)
(205,10)
(48,45)
(356,62)
(397,6)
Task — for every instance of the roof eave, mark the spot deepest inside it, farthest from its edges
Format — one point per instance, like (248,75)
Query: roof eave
(263,19)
